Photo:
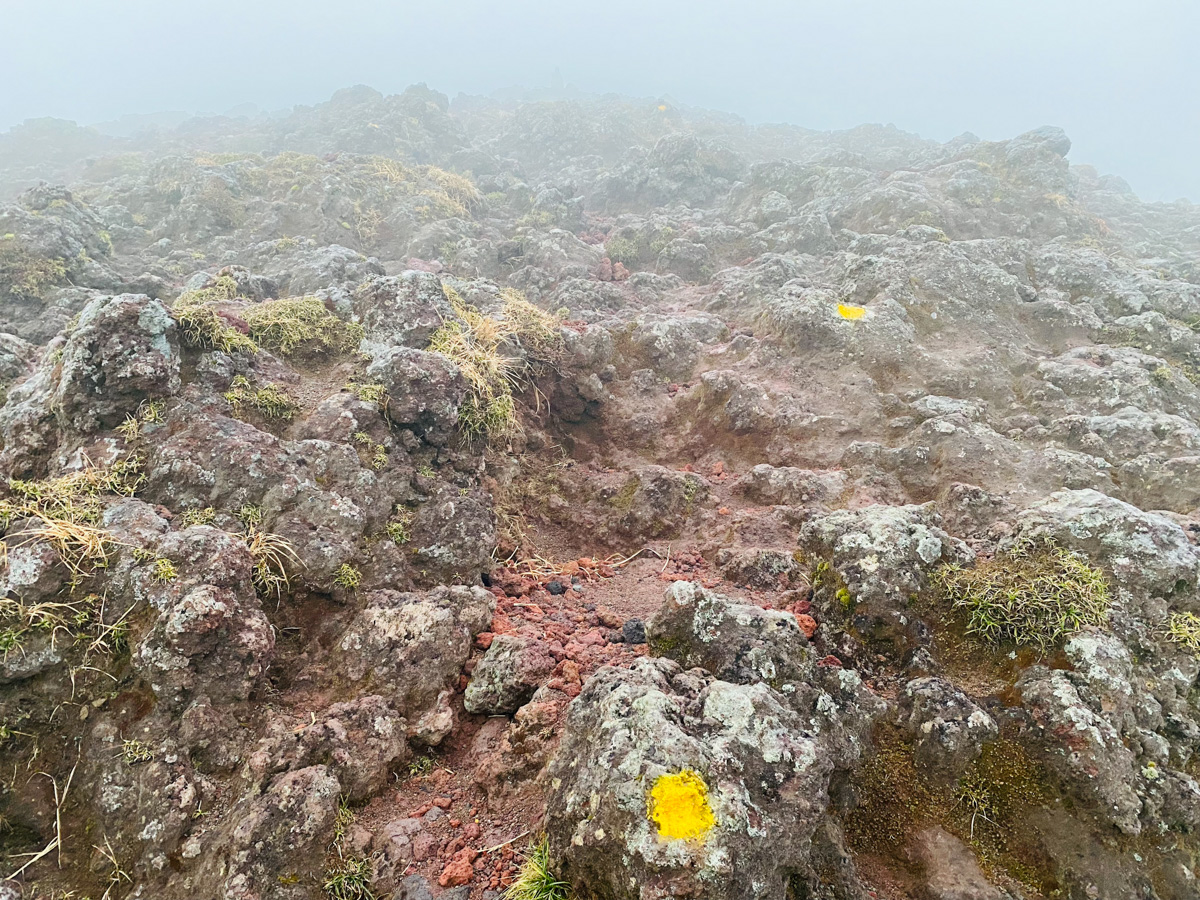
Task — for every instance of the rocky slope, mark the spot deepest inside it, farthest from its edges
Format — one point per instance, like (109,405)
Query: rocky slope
(746,512)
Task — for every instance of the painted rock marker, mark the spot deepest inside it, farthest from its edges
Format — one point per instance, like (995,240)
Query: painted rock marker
(679,806)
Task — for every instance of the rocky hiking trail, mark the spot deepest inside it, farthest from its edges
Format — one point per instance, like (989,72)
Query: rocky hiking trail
(595,500)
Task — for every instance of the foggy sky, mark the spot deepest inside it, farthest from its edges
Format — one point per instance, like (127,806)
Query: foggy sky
(1123,78)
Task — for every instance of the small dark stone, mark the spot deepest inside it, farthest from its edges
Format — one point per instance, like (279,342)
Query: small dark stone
(414,887)
(634,631)
(556,587)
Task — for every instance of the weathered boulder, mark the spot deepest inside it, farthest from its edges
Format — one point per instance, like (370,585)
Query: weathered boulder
(506,677)
(357,741)
(424,391)
(654,502)
(274,843)
(211,635)
(453,535)
(122,352)
(949,869)
(145,795)
(789,486)
(1146,553)
(671,345)
(410,648)
(761,568)
(1083,748)
(872,562)
(735,642)
(671,784)
(401,310)
(947,727)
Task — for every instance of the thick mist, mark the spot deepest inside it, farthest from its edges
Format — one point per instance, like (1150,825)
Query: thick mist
(1119,77)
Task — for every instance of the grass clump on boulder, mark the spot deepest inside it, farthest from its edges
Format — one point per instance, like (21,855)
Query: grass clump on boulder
(271,401)
(480,345)
(202,327)
(1033,594)
(76,497)
(205,329)
(300,325)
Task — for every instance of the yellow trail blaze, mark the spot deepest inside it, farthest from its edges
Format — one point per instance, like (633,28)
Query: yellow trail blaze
(851,312)
(679,806)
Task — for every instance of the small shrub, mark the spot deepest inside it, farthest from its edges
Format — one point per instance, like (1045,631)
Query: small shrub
(473,341)
(224,287)
(974,795)
(164,570)
(622,250)
(250,515)
(148,413)
(376,454)
(271,554)
(75,497)
(68,509)
(129,430)
(1034,594)
(349,879)
(134,752)
(301,325)
(346,877)
(193,517)
(422,765)
(1184,629)
(539,332)
(399,529)
(368,392)
(10,640)
(536,880)
(347,577)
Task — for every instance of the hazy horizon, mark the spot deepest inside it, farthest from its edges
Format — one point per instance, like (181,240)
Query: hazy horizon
(1115,76)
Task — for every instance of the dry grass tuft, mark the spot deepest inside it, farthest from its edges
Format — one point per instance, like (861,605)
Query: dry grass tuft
(272,555)
(66,511)
(475,344)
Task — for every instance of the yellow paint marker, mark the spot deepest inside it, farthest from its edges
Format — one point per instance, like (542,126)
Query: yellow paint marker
(851,312)
(679,806)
